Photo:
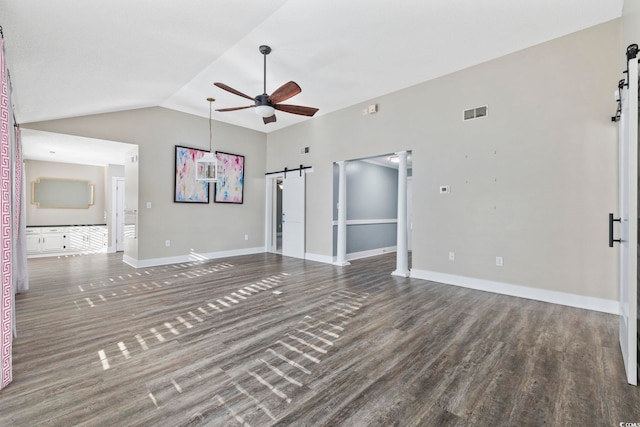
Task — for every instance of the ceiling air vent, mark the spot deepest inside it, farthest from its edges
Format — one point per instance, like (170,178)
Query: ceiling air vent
(476,113)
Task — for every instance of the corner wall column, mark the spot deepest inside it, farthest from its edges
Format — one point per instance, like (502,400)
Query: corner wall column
(342,215)
(402,253)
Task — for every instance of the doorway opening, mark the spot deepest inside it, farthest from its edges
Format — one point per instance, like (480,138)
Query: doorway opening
(285,213)
(118,161)
(372,187)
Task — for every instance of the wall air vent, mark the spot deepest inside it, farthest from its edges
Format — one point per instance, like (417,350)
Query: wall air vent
(475,113)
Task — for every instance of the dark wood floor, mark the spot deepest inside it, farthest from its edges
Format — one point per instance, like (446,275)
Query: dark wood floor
(266,340)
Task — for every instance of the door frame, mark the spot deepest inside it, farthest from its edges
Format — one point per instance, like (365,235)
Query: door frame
(270,228)
(115,213)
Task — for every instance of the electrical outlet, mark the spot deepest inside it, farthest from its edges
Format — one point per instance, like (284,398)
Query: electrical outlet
(452,256)
(167,243)
(246,237)
(445,189)
(499,261)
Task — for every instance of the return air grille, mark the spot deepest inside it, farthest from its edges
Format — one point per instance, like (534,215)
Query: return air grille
(475,113)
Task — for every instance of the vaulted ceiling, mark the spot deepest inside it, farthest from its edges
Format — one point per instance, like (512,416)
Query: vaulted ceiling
(71,58)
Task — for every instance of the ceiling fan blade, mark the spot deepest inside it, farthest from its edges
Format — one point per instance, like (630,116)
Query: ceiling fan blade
(269,119)
(232,90)
(296,109)
(234,108)
(285,92)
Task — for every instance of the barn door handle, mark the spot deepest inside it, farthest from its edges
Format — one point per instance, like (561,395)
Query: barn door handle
(611,221)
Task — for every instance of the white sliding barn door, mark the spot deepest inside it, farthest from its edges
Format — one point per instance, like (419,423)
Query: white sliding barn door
(628,199)
(293,214)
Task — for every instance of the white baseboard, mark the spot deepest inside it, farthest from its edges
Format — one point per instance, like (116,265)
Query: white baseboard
(354,255)
(370,253)
(64,254)
(131,261)
(152,262)
(555,297)
(318,258)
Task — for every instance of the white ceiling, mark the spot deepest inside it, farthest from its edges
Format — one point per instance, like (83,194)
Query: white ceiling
(388,161)
(70,58)
(55,147)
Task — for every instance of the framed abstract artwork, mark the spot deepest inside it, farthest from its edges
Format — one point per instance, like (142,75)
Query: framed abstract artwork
(187,189)
(230,185)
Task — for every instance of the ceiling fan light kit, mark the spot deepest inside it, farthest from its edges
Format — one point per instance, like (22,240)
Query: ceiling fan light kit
(265,110)
(265,105)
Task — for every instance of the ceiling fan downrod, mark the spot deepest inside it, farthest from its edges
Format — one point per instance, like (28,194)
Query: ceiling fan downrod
(265,50)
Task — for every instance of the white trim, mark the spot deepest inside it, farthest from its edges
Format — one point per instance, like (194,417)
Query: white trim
(113,227)
(341,231)
(318,258)
(369,221)
(129,260)
(269,223)
(370,253)
(64,254)
(190,258)
(555,297)
(352,256)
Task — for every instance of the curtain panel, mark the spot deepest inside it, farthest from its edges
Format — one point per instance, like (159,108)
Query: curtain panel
(6,226)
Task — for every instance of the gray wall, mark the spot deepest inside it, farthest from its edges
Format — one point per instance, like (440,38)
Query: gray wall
(372,193)
(533,182)
(199,228)
(95,214)
(630,28)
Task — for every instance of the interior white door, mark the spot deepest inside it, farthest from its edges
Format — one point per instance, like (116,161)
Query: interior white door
(293,214)
(119,208)
(628,199)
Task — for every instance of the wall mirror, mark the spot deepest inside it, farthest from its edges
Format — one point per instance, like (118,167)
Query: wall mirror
(58,193)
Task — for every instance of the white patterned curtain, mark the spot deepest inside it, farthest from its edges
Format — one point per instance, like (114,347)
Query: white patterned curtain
(6,223)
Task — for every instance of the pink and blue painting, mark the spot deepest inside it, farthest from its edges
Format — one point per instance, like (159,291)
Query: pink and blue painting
(187,189)
(230,185)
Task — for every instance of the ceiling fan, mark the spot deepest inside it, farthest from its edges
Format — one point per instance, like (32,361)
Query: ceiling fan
(265,104)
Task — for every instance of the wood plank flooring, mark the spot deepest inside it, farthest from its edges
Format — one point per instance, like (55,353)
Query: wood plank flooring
(266,340)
